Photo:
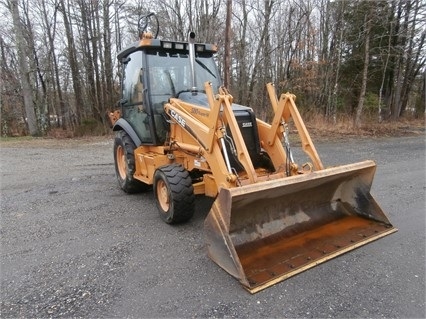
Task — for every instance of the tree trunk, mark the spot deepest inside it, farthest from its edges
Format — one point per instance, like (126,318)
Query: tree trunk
(23,70)
(364,72)
(396,106)
(227,66)
(337,55)
(385,72)
(242,77)
(72,58)
(258,57)
(108,65)
(413,63)
(62,120)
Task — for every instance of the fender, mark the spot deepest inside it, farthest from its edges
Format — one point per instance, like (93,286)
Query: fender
(122,124)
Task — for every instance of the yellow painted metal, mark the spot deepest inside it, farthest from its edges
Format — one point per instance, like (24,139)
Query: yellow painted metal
(121,162)
(266,232)
(265,226)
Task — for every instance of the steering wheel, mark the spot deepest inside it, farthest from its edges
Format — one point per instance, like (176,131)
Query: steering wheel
(145,23)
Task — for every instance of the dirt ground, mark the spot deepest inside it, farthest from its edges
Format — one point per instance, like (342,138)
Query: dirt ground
(74,245)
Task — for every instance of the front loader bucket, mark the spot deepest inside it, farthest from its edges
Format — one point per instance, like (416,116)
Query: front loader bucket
(266,232)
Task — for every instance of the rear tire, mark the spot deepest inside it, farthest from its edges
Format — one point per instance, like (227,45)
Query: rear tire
(124,160)
(174,194)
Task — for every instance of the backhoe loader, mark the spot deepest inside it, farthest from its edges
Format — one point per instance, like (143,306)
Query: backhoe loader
(179,133)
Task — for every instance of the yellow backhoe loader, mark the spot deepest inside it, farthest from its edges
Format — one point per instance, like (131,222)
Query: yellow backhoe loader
(179,133)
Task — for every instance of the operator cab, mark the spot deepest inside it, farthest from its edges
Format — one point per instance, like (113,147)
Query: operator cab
(155,71)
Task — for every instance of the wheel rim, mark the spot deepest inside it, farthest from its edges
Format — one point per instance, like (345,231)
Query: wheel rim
(121,162)
(163,196)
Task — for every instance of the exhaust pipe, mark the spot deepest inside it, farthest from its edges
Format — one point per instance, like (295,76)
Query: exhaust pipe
(191,46)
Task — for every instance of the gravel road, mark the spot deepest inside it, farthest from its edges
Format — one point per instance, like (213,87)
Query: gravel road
(74,245)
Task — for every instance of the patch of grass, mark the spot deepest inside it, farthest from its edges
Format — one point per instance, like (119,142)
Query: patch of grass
(10,139)
(317,125)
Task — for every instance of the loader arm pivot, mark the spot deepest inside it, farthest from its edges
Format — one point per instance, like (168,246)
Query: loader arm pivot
(207,132)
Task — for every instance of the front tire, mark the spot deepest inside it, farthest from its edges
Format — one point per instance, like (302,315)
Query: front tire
(124,160)
(174,194)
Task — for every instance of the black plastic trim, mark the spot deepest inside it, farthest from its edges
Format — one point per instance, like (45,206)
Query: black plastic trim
(122,124)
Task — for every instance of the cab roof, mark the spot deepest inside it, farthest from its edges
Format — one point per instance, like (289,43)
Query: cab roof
(173,46)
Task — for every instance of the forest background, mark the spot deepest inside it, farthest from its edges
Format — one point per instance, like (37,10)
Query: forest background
(351,62)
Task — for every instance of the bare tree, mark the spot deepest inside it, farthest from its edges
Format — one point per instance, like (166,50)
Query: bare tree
(23,69)
(64,52)
(228,34)
(107,66)
(367,23)
(74,66)
(240,47)
(261,55)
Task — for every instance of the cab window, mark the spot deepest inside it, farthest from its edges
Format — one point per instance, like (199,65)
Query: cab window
(134,108)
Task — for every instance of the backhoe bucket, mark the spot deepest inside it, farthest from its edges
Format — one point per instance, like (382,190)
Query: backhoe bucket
(266,232)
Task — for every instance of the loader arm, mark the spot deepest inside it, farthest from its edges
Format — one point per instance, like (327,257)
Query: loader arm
(284,109)
(208,131)
(267,231)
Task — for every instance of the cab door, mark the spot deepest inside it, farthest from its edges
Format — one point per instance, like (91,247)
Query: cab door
(134,102)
